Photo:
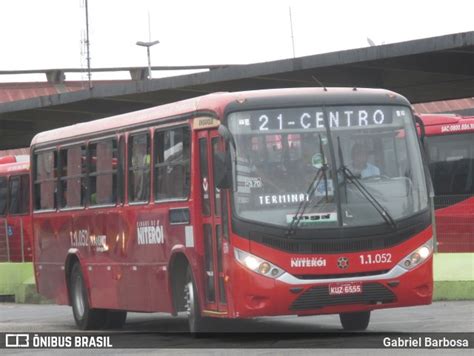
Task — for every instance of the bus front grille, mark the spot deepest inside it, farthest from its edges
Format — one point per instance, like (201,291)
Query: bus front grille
(318,297)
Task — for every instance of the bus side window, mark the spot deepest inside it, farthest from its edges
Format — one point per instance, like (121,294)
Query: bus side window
(121,171)
(19,197)
(72,177)
(103,172)
(45,186)
(139,167)
(13,195)
(25,194)
(3,196)
(172,173)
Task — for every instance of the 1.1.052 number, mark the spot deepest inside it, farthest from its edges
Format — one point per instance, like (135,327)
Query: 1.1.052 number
(377,258)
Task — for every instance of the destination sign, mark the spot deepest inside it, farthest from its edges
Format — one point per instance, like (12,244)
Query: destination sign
(315,118)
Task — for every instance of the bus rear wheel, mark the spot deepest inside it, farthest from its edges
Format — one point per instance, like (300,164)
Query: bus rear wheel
(355,321)
(86,317)
(196,322)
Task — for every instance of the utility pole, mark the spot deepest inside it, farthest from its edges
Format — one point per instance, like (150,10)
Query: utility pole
(88,54)
(292,37)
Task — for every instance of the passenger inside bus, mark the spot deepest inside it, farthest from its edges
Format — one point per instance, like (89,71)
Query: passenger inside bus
(360,165)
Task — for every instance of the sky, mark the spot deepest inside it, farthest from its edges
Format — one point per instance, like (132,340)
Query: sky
(44,34)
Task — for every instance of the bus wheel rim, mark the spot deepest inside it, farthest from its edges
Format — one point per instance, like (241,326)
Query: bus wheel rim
(189,299)
(79,297)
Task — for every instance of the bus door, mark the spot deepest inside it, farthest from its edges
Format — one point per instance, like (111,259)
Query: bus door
(19,223)
(214,292)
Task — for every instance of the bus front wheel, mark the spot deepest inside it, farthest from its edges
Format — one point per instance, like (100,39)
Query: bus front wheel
(86,317)
(196,322)
(355,321)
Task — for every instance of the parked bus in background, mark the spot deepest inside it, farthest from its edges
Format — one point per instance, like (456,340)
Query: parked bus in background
(449,143)
(15,218)
(236,205)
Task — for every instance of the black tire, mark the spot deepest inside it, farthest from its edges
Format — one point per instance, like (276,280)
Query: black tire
(86,318)
(355,321)
(115,319)
(197,323)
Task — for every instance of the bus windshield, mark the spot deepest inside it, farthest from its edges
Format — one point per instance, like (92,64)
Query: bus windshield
(337,166)
(452,163)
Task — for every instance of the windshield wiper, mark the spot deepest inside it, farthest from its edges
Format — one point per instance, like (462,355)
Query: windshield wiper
(304,203)
(363,190)
(320,174)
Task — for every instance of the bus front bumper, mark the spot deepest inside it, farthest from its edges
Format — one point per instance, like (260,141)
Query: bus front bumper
(256,295)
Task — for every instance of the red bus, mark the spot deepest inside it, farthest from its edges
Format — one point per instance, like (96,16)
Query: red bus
(449,143)
(15,217)
(236,205)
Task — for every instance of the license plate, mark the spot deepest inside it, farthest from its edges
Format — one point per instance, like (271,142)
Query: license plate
(345,288)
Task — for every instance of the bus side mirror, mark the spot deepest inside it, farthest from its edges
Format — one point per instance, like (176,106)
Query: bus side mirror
(222,170)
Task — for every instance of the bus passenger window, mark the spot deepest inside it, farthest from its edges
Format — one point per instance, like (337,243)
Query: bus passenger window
(45,180)
(121,170)
(72,178)
(103,172)
(172,171)
(139,168)
(3,195)
(19,195)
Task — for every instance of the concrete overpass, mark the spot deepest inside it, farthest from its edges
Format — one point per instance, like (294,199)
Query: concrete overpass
(429,69)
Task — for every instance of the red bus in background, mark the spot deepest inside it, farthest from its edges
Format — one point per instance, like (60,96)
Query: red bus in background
(449,143)
(15,218)
(236,205)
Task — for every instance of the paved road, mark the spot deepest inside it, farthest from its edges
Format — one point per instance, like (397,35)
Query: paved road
(289,332)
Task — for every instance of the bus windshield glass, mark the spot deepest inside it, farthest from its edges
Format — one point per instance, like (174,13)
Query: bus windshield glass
(337,166)
(452,164)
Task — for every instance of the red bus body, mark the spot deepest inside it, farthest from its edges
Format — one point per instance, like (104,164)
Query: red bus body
(121,273)
(454,200)
(15,226)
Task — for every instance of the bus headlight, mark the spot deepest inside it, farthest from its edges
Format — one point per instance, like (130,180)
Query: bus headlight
(257,264)
(418,256)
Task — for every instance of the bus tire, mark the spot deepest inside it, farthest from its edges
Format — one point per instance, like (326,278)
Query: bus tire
(355,321)
(197,323)
(86,317)
(115,319)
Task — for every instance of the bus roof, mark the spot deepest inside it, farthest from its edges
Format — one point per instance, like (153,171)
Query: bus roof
(438,124)
(216,103)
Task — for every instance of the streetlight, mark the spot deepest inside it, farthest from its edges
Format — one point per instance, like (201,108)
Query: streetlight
(148,45)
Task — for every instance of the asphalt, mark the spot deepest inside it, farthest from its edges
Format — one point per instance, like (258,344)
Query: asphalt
(164,332)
